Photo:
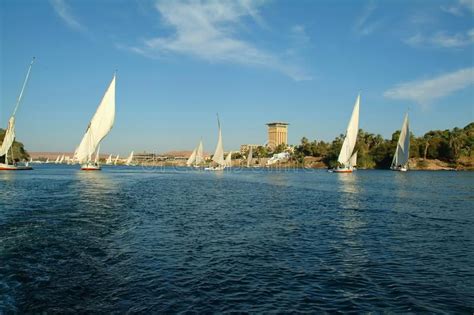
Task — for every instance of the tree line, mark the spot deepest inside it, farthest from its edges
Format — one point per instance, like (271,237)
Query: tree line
(376,152)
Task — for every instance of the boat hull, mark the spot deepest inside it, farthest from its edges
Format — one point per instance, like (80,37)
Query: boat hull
(342,170)
(91,167)
(8,167)
(399,169)
(218,168)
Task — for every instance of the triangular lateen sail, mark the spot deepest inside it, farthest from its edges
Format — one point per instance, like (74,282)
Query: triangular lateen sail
(218,156)
(129,159)
(109,160)
(228,159)
(402,152)
(249,158)
(99,126)
(351,136)
(199,153)
(9,137)
(192,158)
(116,159)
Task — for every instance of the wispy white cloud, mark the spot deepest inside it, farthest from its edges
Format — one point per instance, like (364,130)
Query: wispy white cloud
(442,39)
(209,30)
(424,92)
(459,8)
(365,24)
(64,12)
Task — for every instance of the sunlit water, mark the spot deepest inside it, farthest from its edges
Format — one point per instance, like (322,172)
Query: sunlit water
(172,240)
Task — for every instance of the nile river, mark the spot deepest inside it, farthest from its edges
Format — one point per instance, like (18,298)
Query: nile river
(173,240)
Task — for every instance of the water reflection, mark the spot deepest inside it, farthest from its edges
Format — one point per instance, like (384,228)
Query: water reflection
(95,184)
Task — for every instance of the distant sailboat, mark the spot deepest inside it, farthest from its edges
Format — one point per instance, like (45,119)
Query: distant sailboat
(249,157)
(228,159)
(218,156)
(129,160)
(402,153)
(47,161)
(196,157)
(109,160)
(116,159)
(9,137)
(57,159)
(61,160)
(99,126)
(347,157)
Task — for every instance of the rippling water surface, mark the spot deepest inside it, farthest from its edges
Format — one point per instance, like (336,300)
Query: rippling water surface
(172,240)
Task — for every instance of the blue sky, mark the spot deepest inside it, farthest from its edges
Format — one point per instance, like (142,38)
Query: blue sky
(180,62)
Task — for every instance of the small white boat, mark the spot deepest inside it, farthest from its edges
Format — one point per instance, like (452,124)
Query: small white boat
(218,156)
(402,152)
(99,126)
(129,160)
(9,137)
(347,158)
(197,156)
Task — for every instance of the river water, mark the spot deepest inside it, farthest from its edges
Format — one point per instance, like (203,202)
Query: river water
(174,240)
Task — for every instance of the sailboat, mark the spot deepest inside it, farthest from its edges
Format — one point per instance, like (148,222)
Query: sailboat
(196,157)
(249,157)
(9,137)
(116,159)
(218,156)
(228,159)
(57,159)
(129,160)
(402,153)
(109,160)
(61,160)
(47,161)
(347,157)
(99,126)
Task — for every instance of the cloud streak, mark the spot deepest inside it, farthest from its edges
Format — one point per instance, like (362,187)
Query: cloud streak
(364,25)
(208,30)
(424,92)
(64,12)
(443,39)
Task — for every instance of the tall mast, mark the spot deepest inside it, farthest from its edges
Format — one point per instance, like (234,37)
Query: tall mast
(23,87)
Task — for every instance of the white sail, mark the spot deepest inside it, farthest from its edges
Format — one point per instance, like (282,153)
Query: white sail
(402,153)
(129,159)
(218,156)
(199,153)
(10,132)
(228,159)
(9,138)
(249,158)
(97,156)
(353,160)
(61,160)
(109,160)
(99,126)
(116,159)
(47,160)
(57,159)
(351,136)
(192,158)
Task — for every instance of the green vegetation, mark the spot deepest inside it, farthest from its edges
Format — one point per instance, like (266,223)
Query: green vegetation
(375,152)
(18,150)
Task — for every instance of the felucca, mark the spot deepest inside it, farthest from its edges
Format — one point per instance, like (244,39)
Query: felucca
(99,126)
(109,160)
(402,153)
(10,135)
(196,157)
(228,159)
(129,160)
(347,157)
(249,157)
(218,156)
